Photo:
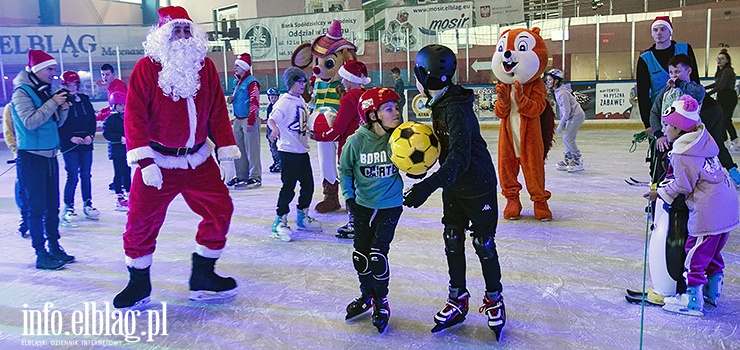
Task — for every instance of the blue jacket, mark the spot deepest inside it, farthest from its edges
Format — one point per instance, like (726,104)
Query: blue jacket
(241,97)
(35,116)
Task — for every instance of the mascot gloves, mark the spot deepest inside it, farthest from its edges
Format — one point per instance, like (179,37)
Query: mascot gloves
(152,176)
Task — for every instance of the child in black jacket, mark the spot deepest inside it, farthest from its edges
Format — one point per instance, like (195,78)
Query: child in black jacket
(468,181)
(113,132)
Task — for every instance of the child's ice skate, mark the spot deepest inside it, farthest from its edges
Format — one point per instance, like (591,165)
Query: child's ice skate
(305,222)
(206,285)
(454,311)
(690,303)
(136,294)
(280,228)
(91,213)
(348,230)
(563,164)
(493,307)
(69,218)
(121,203)
(358,306)
(381,314)
(575,164)
(713,288)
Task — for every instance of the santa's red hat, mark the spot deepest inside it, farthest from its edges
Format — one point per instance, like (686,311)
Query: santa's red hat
(245,61)
(354,71)
(664,20)
(331,42)
(170,13)
(38,60)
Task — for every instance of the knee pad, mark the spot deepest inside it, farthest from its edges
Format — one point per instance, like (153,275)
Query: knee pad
(379,265)
(454,240)
(361,263)
(485,247)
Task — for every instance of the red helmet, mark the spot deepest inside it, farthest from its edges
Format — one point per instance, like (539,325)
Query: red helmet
(373,98)
(117,98)
(69,77)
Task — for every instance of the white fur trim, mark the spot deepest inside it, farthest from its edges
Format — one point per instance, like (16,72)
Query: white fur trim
(43,65)
(243,64)
(229,153)
(141,262)
(135,155)
(353,78)
(193,119)
(207,253)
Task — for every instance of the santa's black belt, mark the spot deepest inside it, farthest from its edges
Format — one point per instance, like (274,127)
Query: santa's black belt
(181,151)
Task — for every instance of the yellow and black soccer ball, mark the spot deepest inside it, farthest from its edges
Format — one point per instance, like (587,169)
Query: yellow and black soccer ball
(414,148)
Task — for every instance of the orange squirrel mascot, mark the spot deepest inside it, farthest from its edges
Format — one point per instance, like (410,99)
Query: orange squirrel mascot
(527,120)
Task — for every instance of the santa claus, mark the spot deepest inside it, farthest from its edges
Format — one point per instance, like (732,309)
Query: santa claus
(174,103)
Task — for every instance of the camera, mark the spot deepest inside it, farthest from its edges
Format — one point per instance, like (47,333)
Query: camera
(70,97)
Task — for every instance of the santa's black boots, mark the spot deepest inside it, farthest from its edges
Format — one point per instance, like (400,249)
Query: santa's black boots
(136,294)
(206,285)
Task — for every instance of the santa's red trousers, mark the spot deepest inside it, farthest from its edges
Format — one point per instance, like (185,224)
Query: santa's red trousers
(203,191)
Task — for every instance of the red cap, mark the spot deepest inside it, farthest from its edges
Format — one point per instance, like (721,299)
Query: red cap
(664,20)
(69,77)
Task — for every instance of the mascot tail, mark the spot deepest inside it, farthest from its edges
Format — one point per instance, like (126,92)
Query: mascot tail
(547,123)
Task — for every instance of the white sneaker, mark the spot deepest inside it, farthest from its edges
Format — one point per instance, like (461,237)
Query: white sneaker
(280,229)
(305,222)
(91,213)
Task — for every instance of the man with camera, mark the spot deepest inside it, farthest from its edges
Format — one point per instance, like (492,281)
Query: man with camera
(37,114)
(76,136)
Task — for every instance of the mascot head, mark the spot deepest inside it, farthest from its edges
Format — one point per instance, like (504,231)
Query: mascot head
(327,52)
(521,55)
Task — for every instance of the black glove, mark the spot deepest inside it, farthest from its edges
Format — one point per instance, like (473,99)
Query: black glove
(351,206)
(417,195)
(416,177)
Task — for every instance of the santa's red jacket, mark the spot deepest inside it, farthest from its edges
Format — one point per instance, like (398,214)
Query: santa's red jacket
(151,116)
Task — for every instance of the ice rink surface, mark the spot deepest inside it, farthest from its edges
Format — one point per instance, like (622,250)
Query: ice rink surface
(564,280)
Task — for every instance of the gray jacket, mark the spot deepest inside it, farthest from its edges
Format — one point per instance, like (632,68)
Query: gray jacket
(697,173)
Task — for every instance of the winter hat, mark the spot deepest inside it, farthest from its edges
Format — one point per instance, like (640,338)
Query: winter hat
(664,20)
(684,113)
(291,75)
(38,60)
(354,71)
(169,13)
(245,61)
(330,42)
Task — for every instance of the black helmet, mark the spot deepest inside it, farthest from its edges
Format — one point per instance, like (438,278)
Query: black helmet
(435,66)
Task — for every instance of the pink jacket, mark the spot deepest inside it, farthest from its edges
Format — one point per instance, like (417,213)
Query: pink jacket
(697,173)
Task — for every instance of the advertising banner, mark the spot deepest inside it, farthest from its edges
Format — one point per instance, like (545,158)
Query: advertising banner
(423,23)
(73,43)
(498,12)
(286,33)
(613,100)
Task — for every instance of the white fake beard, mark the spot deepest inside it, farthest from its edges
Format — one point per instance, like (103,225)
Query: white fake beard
(181,61)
